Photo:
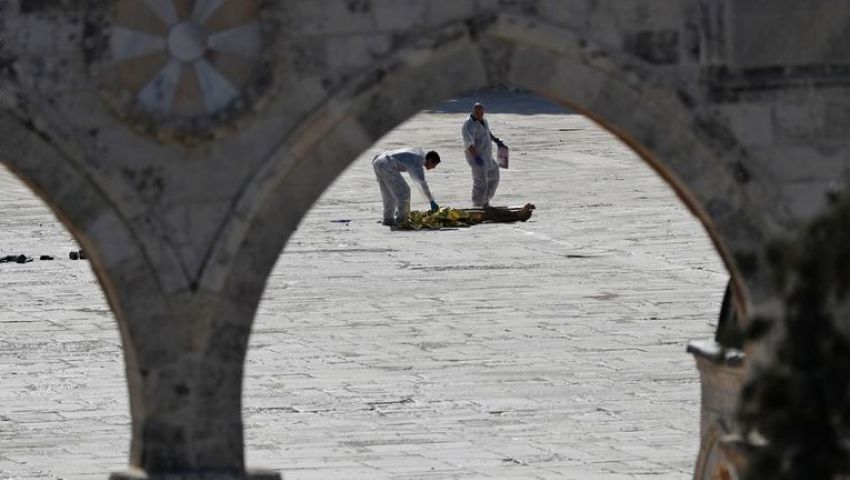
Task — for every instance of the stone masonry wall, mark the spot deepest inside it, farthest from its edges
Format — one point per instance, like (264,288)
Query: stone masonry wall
(182,142)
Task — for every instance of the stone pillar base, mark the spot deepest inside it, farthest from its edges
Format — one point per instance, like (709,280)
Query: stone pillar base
(722,374)
(136,474)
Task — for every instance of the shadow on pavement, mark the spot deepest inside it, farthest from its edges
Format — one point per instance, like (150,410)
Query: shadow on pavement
(523,103)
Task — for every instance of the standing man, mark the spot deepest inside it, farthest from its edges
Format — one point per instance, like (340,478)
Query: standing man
(479,155)
(394,190)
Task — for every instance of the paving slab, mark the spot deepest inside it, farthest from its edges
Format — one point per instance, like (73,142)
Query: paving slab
(553,348)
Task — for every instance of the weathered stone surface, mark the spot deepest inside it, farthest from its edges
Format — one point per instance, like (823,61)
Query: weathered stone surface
(201,182)
(784,33)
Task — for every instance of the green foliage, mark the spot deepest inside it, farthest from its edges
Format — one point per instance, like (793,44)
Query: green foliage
(801,402)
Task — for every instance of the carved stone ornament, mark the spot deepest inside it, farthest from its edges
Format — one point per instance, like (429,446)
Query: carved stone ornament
(183,70)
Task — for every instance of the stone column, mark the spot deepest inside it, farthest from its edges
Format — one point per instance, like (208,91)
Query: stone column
(185,371)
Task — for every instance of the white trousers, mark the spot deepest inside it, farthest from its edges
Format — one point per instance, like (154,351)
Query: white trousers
(394,191)
(485,180)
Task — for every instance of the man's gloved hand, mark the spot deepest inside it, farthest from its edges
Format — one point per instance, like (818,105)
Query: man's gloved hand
(479,160)
(434,206)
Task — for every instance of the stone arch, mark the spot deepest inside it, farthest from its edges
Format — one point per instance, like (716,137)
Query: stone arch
(168,334)
(82,208)
(156,325)
(690,150)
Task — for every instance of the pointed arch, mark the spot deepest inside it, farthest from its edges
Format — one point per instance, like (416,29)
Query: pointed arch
(690,150)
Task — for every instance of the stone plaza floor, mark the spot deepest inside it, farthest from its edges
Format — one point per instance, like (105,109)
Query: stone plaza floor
(551,349)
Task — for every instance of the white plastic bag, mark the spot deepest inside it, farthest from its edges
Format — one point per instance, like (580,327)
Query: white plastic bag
(502,155)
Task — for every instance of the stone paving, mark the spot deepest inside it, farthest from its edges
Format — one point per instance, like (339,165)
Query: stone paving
(539,350)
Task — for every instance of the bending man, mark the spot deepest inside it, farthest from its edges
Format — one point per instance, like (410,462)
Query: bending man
(479,155)
(394,190)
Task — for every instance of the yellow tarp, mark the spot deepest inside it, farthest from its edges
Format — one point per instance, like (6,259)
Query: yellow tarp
(445,217)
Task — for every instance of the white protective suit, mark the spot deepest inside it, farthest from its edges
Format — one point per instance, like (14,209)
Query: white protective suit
(394,190)
(485,177)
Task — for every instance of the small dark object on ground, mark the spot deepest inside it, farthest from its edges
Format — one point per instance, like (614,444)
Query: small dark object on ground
(15,258)
(347,220)
(45,257)
(74,255)
(83,255)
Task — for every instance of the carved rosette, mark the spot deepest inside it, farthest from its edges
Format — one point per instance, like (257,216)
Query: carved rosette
(185,70)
